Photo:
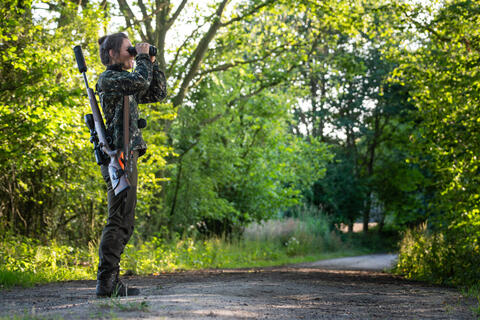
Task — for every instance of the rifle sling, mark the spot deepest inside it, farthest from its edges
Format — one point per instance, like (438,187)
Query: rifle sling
(126,129)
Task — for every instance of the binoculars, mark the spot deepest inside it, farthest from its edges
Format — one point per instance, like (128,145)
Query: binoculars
(152,51)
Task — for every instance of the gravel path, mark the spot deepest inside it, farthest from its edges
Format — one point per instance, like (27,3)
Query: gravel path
(332,289)
(373,262)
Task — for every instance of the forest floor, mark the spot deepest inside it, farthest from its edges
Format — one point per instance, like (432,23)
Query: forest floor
(347,288)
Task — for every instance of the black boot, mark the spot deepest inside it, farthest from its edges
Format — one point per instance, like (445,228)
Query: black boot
(112,286)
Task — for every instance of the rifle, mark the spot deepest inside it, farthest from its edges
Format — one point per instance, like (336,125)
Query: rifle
(103,153)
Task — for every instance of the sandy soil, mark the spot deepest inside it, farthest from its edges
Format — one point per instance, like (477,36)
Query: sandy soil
(333,289)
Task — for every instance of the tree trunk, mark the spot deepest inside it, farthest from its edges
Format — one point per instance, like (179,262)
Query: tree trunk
(366,212)
(370,168)
(382,223)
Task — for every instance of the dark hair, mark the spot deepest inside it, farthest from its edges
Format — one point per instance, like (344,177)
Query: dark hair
(111,42)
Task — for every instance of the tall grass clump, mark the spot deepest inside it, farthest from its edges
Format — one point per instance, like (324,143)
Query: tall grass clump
(447,258)
(187,253)
(305,230)
(439,257)
(25,261)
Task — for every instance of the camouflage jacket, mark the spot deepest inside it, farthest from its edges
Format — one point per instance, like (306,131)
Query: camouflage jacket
(146,84)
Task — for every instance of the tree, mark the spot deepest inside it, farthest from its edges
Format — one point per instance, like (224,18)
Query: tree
(243,167)
(352,105)
(443,74)
(218,57)
(43,139)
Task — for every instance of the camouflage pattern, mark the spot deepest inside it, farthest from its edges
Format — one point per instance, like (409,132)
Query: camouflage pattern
(146,84)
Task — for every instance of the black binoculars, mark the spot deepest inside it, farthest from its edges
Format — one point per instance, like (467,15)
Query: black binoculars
(152,51)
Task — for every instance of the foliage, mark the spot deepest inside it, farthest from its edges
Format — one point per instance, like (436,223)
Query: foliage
(444,72)
(342,193)
(353,107)
(235,183)
(26,261)
(427,256)
(239,165)
(43,140)
(402,186)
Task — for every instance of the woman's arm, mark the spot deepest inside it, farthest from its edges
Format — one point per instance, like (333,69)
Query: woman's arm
(129,83)
(157,91)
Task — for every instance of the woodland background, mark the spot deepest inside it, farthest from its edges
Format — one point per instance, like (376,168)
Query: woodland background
(348,111)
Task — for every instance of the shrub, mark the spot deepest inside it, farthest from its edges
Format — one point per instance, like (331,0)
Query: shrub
(439,257)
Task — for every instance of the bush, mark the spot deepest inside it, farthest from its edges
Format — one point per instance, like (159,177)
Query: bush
(439,257)
(26,261)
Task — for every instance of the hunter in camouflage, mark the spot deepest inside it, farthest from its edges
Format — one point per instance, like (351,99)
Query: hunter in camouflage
(146,84)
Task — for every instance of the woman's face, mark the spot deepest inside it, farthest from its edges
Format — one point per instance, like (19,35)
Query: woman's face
(124,58)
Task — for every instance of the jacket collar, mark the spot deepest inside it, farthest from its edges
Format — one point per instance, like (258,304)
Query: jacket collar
(115,67)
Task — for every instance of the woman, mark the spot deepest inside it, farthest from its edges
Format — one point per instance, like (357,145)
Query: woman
(143,85)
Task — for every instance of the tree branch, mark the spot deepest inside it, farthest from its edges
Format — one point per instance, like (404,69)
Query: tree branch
(248,13)
(147,17)
(177,54)
(198,54)
(146,20)
(130,19)
(176,14)
(250,145)
(227,66)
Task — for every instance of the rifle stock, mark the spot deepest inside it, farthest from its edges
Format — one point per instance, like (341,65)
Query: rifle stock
(116,158)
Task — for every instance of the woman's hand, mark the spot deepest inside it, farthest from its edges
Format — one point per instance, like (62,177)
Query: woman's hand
(142,47)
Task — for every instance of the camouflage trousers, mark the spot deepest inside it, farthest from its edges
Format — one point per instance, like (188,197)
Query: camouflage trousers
(120,222)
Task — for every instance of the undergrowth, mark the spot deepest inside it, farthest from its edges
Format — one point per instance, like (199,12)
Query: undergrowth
(25,261)
(441,258)
(304,238)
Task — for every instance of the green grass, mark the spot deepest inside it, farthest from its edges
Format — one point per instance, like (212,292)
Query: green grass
(10,278)
(26,262)
(276,242)
(117,304)
(473,292)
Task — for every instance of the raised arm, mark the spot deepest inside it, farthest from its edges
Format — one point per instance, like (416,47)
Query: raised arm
(157,91)
(129,83)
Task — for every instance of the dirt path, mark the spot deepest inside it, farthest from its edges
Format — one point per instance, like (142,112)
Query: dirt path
(373,262)
(308,291)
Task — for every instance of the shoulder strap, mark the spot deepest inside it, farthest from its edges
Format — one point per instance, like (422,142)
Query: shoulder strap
(126,127)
